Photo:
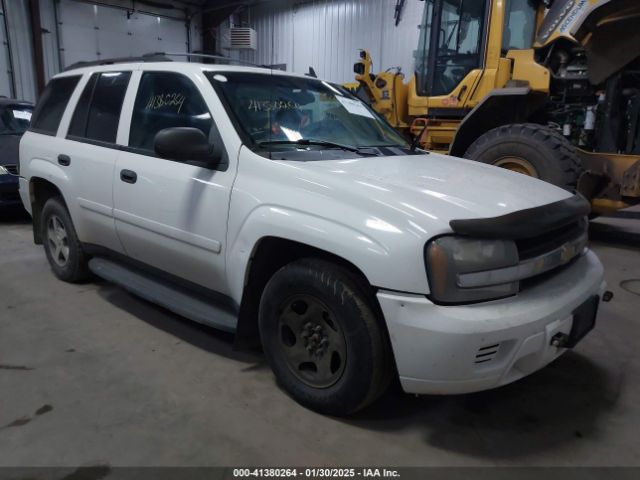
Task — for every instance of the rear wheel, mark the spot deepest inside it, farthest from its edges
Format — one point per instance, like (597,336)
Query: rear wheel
(61,244)
(531,149)
(323,338)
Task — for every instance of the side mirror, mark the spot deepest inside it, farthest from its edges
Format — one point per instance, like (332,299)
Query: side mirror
(183,144)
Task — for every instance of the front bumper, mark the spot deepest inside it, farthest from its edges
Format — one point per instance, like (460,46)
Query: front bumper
(9,196)
(467,348)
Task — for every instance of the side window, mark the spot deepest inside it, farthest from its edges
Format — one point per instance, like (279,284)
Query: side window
(166,99)
(78,125)
(52,104)
(98,111)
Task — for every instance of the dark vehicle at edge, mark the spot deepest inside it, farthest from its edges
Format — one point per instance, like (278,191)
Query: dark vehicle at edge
(15,116)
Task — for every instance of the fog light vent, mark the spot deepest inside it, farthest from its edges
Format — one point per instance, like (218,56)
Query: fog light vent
(488,353)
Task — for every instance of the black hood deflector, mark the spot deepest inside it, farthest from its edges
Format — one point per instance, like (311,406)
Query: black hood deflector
(528,223)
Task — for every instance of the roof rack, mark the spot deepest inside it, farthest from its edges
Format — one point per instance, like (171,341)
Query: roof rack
(158,57)
(147,57)
(214,57)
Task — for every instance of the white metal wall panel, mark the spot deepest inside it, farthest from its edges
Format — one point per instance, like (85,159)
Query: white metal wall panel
(172,35)
(196,33)
(144,29)
(78,34)
(6,87)
(327,35)
(90,32)
(401,42)
(19,34)
(113,32)
(50,53)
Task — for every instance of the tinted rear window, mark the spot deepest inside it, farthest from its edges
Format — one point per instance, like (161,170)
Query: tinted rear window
(98,110)
(78,124)
(52,104)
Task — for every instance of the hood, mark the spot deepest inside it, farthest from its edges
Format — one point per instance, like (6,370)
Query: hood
(423,193)
(607,34)
(9,149)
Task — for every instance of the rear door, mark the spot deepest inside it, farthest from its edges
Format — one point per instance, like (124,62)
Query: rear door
(173,215)
(90,152)
(40,144)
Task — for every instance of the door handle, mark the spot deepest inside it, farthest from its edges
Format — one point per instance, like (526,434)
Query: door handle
(64,160)
(128,176)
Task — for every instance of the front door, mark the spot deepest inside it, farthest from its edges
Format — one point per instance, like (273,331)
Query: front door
(172,215)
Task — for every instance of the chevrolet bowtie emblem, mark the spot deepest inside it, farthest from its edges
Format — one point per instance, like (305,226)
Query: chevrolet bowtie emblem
(567,252)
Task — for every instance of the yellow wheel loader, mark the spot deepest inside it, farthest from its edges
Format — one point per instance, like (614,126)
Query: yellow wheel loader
(547,88)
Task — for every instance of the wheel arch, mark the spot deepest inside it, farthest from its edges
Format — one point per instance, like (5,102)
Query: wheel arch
(501,107)
(269,254)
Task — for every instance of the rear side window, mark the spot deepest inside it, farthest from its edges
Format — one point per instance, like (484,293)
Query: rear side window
(98,111)
(166,99)
(53,101)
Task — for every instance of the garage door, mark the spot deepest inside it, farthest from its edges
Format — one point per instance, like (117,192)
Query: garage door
(5,65)
(91,32)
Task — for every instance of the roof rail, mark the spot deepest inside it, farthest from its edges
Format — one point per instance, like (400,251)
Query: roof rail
(147,57)
(213,57)
(159,57)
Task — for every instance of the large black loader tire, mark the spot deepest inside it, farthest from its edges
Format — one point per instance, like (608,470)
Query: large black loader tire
(531,149)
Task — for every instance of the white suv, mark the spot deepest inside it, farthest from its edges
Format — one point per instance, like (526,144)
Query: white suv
(282,208)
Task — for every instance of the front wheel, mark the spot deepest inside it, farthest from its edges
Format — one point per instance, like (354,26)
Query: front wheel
(531,149)
(322,337)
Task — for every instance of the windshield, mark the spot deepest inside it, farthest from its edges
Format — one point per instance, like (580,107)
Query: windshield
(520,25)
(276,112)
(14,120)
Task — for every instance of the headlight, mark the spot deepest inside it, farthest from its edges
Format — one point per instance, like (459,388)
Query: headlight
(448,257)
(3,171)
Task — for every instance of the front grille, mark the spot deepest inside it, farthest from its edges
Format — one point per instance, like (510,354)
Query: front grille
(12,169)
(534,247)
(541,244)
(486,354)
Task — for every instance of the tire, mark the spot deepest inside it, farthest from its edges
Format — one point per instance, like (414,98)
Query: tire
(307,309)
(527,146)
(61,244)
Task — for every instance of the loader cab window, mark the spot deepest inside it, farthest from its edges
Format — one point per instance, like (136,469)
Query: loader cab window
(422,53)
(448,54)
(519,25)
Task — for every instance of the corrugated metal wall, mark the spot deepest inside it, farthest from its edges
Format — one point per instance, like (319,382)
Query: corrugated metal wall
(50,52)
(6,78)
(91,29)
(18,36)
(327,35)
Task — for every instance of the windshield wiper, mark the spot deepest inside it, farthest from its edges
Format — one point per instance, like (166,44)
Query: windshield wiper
(309,141)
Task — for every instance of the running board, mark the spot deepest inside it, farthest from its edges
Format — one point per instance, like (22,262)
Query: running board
(184,303)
